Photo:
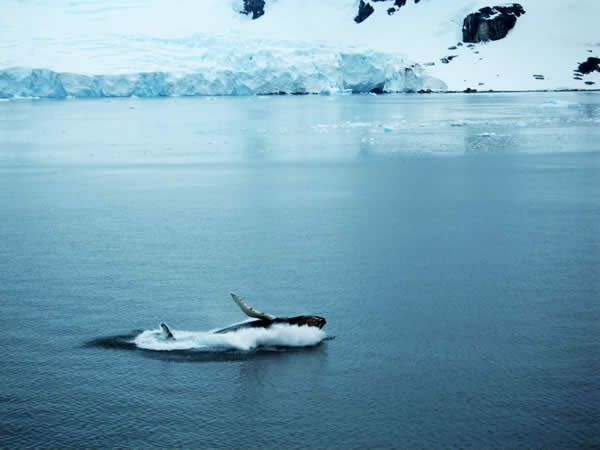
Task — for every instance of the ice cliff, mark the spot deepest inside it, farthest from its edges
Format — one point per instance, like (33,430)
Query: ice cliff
(298,71)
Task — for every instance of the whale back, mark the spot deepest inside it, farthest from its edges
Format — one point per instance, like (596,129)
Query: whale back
(311,321)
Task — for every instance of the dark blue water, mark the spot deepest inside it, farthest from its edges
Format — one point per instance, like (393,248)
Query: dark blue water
(452,242)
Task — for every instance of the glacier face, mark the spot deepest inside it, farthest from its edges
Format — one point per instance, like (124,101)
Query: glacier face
(120,48)
(262,72)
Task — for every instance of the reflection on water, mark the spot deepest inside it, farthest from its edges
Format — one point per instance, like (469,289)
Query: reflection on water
(282,128)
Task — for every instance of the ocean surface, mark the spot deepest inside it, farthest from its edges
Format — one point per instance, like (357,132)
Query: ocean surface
(451,241)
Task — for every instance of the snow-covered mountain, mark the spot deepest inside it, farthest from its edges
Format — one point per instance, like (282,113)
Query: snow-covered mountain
(94,48)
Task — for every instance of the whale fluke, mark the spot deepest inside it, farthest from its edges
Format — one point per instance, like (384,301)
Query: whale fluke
(249,311)
(166,332)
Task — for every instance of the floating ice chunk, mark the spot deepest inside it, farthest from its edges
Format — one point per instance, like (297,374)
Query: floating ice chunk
(557,104)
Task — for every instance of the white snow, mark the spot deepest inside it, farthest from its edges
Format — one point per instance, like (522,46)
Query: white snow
(92,48)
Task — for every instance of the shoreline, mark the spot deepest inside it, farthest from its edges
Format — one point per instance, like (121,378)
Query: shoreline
(298,94)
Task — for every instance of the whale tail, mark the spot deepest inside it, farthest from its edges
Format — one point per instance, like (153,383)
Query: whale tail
(165,331)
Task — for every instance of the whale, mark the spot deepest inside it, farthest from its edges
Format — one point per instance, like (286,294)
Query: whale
(263,320)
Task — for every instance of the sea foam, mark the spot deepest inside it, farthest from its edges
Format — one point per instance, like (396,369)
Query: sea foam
(280,335)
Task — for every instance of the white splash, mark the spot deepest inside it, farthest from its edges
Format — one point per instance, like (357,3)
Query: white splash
(282,335)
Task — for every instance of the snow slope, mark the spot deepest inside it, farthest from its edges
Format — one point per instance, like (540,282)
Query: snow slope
(205,47)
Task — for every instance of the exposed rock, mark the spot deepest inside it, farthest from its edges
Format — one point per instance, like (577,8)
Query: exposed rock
(397,5)
(591,65)
(447,59)
(491,23)
(364,11)
(538,76)
(256,7)
(589,83)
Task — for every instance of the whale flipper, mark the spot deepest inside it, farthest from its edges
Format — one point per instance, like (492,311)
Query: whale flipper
(165,331)
(249,311)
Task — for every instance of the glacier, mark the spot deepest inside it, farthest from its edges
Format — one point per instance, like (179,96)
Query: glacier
(282,71)
(149,48)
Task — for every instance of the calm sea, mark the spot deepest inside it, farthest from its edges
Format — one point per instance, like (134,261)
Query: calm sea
(451,241)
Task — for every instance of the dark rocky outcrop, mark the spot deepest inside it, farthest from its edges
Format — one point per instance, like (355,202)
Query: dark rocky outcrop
(398,3)
(364,11)
(447,59)
(591,65)
(491,23)
(254,7)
